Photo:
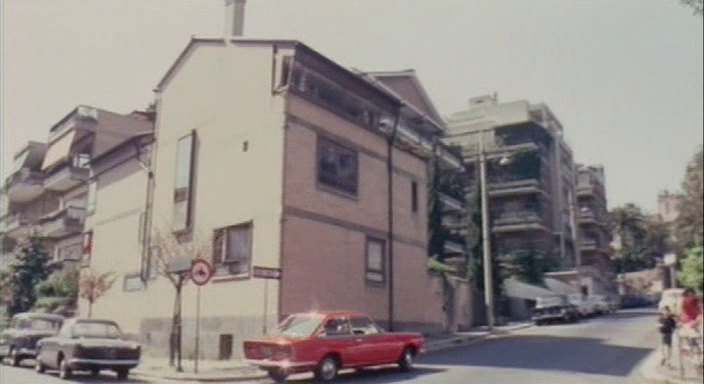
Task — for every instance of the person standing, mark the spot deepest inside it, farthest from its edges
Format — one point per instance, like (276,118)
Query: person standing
(666,326)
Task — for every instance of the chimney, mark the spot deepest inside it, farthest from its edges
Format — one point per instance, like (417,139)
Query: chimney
(234,18)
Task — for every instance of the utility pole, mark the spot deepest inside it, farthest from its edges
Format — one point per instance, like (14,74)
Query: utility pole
(486,241)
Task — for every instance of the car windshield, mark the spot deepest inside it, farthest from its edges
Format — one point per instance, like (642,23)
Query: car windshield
(96,329)
(43,325)
(550,301)
(300,325)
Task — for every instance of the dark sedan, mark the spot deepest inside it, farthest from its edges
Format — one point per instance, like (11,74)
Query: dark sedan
(88,345)
(19,341)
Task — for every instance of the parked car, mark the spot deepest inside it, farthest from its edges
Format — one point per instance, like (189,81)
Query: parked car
(554,308)
(601,304)
(88,345)
(585,307)
(325,342)
(19,341)
(671,298)
(635,301)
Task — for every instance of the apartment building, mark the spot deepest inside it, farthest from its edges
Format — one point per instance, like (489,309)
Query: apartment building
(49,192)
(277,157)
(594,233)
(530,176)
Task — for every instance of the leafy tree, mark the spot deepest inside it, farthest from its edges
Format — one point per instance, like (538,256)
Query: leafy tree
(696,5)
(689,225)
(59,293)
(31,266)
(692,273)
(93,286)
(528,266)
(628,222)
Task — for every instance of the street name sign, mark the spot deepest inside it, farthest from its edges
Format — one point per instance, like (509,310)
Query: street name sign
(267,273)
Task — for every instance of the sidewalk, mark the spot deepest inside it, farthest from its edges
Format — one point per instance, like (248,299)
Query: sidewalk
(652,372)
(234,371)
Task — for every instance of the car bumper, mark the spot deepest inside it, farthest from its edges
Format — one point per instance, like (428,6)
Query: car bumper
(284,365)
(80,364)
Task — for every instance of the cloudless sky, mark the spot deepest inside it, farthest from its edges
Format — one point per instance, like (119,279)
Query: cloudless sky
(623,76)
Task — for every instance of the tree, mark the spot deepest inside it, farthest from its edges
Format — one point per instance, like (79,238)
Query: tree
(172,253)
(59,293)
(31,266)
(696,5)
(692,274)
(93,286)
(689,225)
(628,222)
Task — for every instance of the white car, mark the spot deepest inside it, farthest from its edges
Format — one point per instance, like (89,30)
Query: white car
(601,304)
(586,307)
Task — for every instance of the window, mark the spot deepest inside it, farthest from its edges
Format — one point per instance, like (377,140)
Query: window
(414,197)
(92,196)
(337,166)
(337,327)
(375,261)
(232,249)
(183,180)
(363,326)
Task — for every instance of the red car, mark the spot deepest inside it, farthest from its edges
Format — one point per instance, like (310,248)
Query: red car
(325,342)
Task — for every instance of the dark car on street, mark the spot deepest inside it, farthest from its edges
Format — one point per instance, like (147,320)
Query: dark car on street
(554,308)
(19,341)
(88,345)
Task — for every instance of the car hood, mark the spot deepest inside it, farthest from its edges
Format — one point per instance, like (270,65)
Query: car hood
(99,342)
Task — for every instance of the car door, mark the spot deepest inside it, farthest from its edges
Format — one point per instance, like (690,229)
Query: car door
(371,345)
(338,338)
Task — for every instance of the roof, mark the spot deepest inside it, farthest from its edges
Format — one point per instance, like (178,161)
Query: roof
(335,313)
(38,315)
(295,44)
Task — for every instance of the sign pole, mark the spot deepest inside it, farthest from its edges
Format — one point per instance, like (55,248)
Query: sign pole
(197,329)
(266,304)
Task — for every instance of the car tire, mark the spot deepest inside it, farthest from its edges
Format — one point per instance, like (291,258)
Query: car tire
(326,371)
(39,366)
(123,374)
(65,372)
(15,358)
(95,372)
(405,361)
(277,376)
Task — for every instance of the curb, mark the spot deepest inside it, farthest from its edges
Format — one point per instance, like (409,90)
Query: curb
(461,341)
(195,378)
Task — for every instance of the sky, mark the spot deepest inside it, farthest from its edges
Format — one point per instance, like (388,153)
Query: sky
(624,77)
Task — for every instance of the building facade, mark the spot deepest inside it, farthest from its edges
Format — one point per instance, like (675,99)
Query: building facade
(268,154)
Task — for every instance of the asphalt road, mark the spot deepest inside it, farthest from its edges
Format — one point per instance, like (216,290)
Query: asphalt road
(602,350)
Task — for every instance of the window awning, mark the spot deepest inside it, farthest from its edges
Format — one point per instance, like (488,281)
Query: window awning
(58,150)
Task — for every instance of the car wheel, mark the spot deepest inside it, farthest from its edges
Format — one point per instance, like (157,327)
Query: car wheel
(39,366)
(277,376)
(122,374)
(95,372)
(64,370)
(326,370)
(15,358)
(405,362)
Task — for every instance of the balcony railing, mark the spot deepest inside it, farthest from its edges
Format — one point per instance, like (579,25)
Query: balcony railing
(65,178)
(517,221)
(63,222)
(24,185)
(514,187)
(450,204)
(15,225)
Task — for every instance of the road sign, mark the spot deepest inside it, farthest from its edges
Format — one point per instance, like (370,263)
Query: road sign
(179,266)
(670,259)
(201,272)
(267,273)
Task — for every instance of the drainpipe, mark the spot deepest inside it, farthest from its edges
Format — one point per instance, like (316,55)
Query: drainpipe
(145,265)
(389,172)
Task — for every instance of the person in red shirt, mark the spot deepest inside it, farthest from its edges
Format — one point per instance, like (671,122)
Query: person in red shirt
(691,311)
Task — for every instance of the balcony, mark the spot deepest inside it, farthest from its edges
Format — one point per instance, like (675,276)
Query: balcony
(454,248)
(24,185)
(15,225)
(519,221)
(585,190)
(450,204)
(67,221)
(70,176)
(516,187)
